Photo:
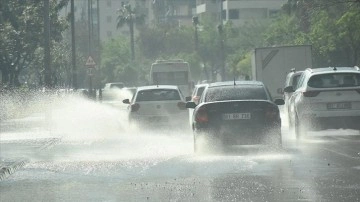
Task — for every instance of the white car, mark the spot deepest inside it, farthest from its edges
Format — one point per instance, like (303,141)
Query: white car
(158,105)
(195,97)
(197,92)
(326,98)
(292,79)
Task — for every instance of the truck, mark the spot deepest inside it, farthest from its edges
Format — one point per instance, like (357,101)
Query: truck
(172,72)
(271,65)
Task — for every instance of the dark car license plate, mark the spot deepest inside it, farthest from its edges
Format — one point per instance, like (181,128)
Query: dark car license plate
(339,105)
(235,116)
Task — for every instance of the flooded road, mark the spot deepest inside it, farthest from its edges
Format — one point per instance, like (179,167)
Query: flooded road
(79,150)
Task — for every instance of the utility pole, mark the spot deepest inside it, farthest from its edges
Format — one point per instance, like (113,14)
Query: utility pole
(89,25)
(195,21)
(47,58)
(73,48)
(98,25)
(221,33)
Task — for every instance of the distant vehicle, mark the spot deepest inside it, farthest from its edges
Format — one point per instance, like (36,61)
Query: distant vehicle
(195,97)
(172,72)
(291,80)
(271,64)
(326,98)
(157,106)
(118,85)
(112,94)
(197,92)
(236,112)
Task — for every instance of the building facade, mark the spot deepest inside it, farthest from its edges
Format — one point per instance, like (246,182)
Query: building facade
(239,11)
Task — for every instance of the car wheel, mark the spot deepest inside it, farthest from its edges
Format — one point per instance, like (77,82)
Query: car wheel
(300,130)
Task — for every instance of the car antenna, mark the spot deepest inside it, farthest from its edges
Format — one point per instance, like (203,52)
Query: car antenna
(234,81)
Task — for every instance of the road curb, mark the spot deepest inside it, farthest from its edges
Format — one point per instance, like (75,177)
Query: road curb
(6,171)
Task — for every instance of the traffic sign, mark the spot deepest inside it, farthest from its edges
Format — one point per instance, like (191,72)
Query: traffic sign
(90,62)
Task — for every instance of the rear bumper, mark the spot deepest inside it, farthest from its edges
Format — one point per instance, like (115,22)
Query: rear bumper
(237,135)
(337,122)
(174,120)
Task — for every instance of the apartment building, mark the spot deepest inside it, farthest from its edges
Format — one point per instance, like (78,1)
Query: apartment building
(239,11)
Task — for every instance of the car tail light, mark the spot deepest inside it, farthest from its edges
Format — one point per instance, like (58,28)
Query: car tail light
(311,93)
(135,107)
(271,113)
(181,105)
(201,115)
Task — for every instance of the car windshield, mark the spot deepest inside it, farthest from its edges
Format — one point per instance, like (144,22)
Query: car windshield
(334,80)
(243,92)
(157,95)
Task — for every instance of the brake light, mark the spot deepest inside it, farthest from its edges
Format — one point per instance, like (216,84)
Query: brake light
(135,107)
(271,113)
(311,93)
(201,115)
(181,105)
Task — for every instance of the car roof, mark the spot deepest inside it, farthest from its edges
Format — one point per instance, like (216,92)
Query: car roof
(296,73)
(157,87)
(201,85)
(231,83)
(333,70)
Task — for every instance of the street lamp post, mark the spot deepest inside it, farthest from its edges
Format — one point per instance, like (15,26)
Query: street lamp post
(222,54)
(47,59)
(73,48)
(195,21)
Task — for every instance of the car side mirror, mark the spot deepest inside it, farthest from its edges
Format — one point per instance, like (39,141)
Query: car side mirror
(190,105)
(188,98)
(289,89)
(279,102)
(126,101)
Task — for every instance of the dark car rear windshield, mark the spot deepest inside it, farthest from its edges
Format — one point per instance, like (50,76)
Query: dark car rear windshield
(334,80)
(246,92)
(157,95)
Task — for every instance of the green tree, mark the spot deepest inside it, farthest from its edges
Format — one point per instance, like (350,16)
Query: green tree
(129,16)
(21,32)
(116,64)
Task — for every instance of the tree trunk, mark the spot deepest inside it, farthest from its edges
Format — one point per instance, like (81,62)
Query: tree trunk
(132,42)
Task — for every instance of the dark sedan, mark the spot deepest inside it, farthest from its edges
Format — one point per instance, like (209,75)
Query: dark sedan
(236,113)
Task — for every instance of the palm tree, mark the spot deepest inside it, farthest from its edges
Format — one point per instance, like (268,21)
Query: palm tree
(129,16)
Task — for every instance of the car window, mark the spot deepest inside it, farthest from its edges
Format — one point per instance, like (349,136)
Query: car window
(301,80)
(200,91)
(157,95)
(334,80)
(235,93)
(295,80)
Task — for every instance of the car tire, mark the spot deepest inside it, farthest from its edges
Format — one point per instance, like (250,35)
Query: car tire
(300,130)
